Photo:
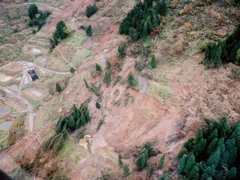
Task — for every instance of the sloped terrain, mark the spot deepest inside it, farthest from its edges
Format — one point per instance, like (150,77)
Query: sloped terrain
(166,108)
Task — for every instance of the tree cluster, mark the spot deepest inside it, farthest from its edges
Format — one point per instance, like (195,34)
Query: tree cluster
(143,18)
(146,152)
(90,10)
(36,16)
(224,51)
(213,154)
(60,33)
(78,117)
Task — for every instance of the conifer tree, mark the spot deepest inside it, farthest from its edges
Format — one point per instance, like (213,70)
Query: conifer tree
(107,77)
(120,163)
(58,88)
(98,67)
(32,11)
(153,63)
(181,163)
(72,70)
(71,124)
(131,80)
(161,161)
(98,106)
(108,65)
(189,163)
(141,161)
(89,30)
(61,32)
(126,171)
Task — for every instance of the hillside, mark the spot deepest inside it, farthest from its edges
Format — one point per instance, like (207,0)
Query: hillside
(166,107)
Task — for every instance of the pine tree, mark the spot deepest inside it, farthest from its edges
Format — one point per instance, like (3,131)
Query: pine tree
(182,152)
(153,62)
(142,161)
(83,120)
(161,161)
(189,163)
(89,30)
(72,70)
(181,164)
(32,11)
(212,136)
(120,163)
(108,65)
(98,67)
(98,106)
(194,174)
(107,77)
(231,174)
(61,32)
(86,84)
(71,124)
(211,147)
(58,88)
(131,80)
(121,50)
(126,171)
(214,158)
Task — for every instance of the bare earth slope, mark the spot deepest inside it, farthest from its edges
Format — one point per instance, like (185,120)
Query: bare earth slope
(166,108)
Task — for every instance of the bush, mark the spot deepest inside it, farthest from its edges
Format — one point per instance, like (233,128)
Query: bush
(98,67)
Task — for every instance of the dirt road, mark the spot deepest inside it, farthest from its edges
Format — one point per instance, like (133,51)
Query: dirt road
(144,84)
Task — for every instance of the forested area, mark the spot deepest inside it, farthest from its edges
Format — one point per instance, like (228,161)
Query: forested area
(214,154)
(36,16)
(143,18)
(223,51)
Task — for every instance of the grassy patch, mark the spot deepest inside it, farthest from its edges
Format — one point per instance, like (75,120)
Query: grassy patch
(14,111)
(37,125)
(20,37)
(4,143)
(85,53)
(160,90)
(55,117)
(77,39)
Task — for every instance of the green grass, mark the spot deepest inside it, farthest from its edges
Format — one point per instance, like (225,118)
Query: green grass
(20,37)
(77,39)
(14,111)
(85,53)
(37,125)
(160,90)
(4,142)
(55,117)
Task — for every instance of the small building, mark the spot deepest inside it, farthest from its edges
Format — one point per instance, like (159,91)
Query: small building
(32,74)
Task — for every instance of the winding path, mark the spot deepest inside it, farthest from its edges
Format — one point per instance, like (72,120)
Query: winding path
(144,84)
(18,94)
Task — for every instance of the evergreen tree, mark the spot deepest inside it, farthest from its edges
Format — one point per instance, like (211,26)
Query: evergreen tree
(83,120)
(61,32)
(194,174)
(107,77)
(98,67)
(153,62)
(214,158)
(189,163)
(90,10)
(161,161)
(182,152)
(108,65)
(72,70)
(121,50)
(89,30)
(32,11)
(71,124)
(211,147)
(141,161)
(58,144)
(86,84)
(212,136)
(120,163)
(58,88)
(231,174)
(131,80)
(181,164)
(126,171)
(98,106)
